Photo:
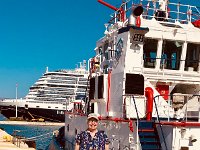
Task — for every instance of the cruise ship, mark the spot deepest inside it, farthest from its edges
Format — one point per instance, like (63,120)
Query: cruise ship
(48,96)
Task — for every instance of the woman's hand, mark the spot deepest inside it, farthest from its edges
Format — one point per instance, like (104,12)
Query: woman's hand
(77,146)
(107,147)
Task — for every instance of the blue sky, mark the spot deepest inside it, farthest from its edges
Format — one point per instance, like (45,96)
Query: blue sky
(35,34)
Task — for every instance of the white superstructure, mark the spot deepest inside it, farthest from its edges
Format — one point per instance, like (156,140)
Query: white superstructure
(59,85)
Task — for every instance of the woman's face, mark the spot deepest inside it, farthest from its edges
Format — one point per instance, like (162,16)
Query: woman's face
(92,124)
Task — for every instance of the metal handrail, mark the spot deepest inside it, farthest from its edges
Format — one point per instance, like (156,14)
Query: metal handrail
(160,122)
(137,118)
(151,8)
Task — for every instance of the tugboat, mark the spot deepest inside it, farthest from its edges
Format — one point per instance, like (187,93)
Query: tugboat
(145,78)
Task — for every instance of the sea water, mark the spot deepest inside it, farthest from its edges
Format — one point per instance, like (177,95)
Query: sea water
(42,135)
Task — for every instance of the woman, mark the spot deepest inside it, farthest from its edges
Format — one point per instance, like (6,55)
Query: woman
(92,138)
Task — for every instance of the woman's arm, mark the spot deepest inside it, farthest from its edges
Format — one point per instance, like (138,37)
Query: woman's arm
(107,141)
(77,146)
(107,147)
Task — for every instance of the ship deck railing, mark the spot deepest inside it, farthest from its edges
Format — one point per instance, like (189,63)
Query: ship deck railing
(183,110)
(175,12)
(175,110)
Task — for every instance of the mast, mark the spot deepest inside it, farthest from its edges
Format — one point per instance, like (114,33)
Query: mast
(121,9)
(16,100)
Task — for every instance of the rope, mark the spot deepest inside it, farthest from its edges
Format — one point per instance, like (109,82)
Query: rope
(35,137)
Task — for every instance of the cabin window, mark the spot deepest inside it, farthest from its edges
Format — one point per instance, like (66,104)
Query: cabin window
(134,84)
(105,49)
(90,108)
(100,87)
(171,55)
(92,88)
(78,108)
(101,53)
(111,50)
(150,52)
(192,57)
(105,69)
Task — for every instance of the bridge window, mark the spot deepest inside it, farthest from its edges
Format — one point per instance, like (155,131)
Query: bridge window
(192,57)
(171,54)
(106,51)
(111,49)
(101,53)
(150,52)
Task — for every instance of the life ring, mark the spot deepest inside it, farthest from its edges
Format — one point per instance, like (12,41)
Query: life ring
(138,21)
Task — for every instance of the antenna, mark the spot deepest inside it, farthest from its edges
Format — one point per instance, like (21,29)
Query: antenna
(16,100)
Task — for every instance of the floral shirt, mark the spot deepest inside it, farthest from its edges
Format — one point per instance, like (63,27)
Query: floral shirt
(86,142)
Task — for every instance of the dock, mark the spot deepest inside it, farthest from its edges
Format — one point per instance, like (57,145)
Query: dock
(32,123)
(7,142)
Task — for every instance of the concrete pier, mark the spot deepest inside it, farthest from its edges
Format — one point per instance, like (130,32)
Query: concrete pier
(32,123)
(6,142)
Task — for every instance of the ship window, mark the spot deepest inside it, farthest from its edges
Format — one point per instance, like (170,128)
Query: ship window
(49,106)
(100,87)
(171,55)
(105,69)
(192,57)
(56,107)
(37,106)
(92,108)
(150,52)
(134,84)
(92,88)
(101,53)
(111,50)
(106,50)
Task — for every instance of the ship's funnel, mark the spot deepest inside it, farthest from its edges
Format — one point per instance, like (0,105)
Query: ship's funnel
(134,19)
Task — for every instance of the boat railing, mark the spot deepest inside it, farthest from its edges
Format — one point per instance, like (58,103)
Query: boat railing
(138,113)
(173,12)
(161,129)
(184,106)
(137,140)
